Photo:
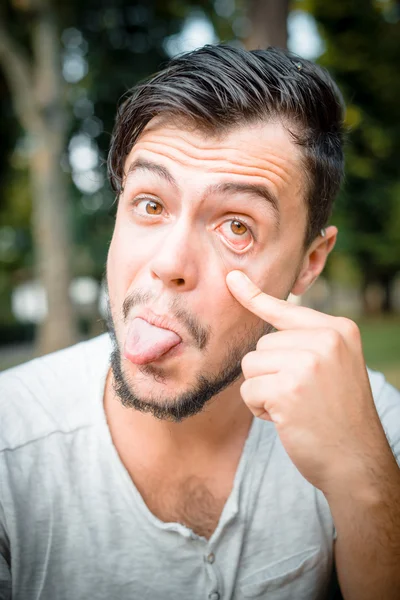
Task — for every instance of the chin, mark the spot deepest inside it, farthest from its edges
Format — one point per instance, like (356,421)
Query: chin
(153,393)
(154,380)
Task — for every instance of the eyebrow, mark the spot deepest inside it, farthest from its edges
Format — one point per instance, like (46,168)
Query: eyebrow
(145,165)
(251,189)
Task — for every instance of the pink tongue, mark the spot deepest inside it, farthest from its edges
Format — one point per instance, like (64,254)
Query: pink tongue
(145,342)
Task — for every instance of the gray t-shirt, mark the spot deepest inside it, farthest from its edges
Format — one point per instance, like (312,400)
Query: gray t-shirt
(73,525)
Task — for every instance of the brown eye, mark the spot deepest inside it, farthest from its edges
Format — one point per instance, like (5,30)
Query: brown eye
(237,234)
(238,228)
(153,208)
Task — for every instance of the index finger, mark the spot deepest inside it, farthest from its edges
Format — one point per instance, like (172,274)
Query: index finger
(279,313)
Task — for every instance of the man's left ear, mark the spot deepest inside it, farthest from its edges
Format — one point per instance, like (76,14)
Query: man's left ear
(314,260)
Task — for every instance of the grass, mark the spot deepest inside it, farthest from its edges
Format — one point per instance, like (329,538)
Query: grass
(381,343)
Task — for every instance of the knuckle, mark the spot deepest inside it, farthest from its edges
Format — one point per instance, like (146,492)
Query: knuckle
(247,392)
(349,328)
(247,362)
(244,388)
(252,395)
(332,340)
(263,343)
(295,387)
(310,361)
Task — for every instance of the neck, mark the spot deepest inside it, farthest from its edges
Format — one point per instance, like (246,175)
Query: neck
(223,419)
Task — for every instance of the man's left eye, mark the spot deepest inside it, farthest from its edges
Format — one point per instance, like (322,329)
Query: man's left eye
(237,233)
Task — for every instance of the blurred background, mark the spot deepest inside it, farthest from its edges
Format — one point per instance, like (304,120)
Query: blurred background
(63,67)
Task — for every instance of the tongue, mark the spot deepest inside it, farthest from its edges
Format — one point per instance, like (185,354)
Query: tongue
(145,342)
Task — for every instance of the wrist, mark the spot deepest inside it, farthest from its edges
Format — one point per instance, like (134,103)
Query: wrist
(365,480)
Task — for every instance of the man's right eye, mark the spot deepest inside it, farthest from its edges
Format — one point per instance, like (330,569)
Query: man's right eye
(148,207)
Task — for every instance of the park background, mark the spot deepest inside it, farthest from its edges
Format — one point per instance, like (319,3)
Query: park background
(63,68)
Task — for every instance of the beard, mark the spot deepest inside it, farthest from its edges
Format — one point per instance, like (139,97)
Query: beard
(206,385)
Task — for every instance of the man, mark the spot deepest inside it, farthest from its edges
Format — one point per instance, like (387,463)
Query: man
(237,447)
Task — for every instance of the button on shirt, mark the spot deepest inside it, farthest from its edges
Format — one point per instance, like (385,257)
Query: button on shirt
(210,558)
(73,524)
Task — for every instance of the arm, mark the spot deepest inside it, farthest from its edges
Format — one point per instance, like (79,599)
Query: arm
(309,378)
(366,512)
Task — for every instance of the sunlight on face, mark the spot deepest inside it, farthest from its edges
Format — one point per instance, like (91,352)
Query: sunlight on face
(193,208)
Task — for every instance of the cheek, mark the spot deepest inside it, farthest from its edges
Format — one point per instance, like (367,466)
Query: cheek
(112,279)
(119,265)
(126,254)
(228,318)
(275,270)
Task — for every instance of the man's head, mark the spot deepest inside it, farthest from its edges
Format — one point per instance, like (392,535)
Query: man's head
(225,160)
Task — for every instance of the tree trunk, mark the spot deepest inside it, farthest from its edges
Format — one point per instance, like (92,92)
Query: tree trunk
(50,221)
(378,294)
(268,23)
(387,303)
(36,90)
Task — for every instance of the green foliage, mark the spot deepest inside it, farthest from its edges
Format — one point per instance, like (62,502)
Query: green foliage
(381,342)
(362,40)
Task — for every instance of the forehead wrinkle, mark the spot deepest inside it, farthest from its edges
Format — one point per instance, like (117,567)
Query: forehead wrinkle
(264,173)
(269,168)
(197,150)
(178,135)
(200,152)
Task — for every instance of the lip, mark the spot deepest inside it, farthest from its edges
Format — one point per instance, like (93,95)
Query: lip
(162,321)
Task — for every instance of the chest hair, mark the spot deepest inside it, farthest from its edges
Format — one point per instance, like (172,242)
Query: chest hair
(193,502)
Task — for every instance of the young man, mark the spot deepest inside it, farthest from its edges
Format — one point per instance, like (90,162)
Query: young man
(234,446)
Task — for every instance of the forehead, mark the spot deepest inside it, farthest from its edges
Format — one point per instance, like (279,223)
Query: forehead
(255,147)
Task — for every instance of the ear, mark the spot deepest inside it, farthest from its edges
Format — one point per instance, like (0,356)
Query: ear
(314,260)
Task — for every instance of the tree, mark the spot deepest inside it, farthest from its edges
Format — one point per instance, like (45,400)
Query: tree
(363,54)
(38,100)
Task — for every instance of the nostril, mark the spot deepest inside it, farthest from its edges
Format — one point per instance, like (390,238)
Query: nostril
(180,281)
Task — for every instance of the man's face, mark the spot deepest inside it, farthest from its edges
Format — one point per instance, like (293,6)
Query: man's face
(193,208)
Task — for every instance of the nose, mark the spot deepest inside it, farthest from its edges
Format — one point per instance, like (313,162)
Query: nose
(176,259)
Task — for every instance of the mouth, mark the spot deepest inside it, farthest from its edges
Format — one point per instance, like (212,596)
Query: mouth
(172,353)
(161,321)
(151,338)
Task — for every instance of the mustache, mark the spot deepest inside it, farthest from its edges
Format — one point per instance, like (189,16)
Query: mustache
(198,332)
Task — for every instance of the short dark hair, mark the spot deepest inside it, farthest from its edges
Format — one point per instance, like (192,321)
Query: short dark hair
(218,87)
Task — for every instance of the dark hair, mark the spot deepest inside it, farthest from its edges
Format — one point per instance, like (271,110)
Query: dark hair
(219,87)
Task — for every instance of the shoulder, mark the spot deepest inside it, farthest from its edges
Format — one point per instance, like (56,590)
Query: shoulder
(50,393)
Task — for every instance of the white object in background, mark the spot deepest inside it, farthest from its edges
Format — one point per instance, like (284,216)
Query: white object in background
(29,302)
(84,291)
(197,30)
